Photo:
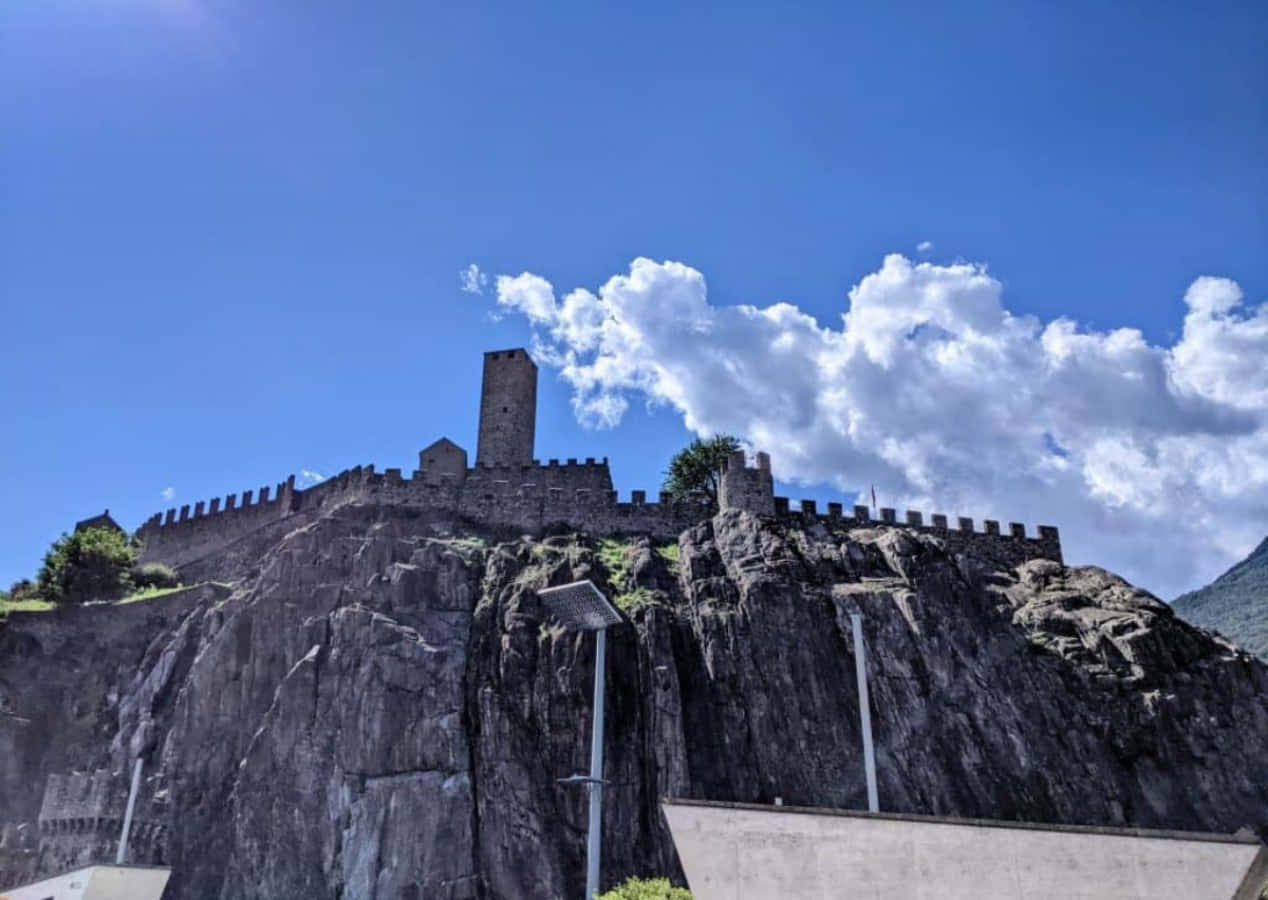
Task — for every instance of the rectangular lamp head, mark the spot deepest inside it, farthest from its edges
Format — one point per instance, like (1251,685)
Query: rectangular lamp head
(579,605)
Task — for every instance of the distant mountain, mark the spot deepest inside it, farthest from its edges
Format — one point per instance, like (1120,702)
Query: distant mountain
(1235,604)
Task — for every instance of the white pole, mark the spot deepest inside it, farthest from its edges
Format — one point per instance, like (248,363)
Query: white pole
(595,832)
(122,855)
(869,755)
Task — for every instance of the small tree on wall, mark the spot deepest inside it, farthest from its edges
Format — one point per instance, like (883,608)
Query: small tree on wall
(92,564)
(694,470)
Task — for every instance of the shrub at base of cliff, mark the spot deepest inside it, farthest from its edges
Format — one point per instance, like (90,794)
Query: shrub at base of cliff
(94,564)
(647,889)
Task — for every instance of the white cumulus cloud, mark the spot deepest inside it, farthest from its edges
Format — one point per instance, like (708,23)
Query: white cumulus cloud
(1153,460)
(308,476)
(924,246)
(472,280)
(168,493)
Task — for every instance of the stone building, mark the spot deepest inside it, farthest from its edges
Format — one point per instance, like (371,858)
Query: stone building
(102,521)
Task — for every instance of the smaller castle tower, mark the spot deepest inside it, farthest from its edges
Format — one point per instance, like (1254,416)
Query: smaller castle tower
(508,409)
(743,488)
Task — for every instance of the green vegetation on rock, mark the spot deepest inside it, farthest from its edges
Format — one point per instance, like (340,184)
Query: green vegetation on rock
(615,557)
(669,553)
(631,602)
(1235,604)
(646,889)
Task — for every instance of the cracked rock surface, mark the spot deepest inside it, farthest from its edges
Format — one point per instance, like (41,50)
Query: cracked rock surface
(376,711)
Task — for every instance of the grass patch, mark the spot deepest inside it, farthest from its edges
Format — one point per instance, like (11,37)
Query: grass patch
(615,556)
(669,553)
(7,606)
(638,599)
(150,593)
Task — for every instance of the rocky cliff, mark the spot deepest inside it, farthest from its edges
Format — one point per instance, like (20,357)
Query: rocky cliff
(374,709)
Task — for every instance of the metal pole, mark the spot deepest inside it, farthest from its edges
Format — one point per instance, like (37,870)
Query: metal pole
(595,832)
(122,855)
(869,755)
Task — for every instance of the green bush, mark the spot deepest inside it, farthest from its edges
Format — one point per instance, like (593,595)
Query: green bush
(647,889)
(22,596)
(155,575)
(22,591)
(89,565)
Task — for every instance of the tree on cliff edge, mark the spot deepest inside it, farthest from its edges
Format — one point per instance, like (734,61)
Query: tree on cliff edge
(694,470)
(91,564)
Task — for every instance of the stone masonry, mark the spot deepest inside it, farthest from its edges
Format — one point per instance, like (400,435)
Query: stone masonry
(508,409)
(508,489)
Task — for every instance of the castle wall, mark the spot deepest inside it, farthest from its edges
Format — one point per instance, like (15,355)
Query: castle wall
(182,537)
(508,409)
(574,495)
(81,818)
(1012,547)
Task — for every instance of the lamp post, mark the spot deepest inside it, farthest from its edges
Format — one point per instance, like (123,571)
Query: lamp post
(865,713)
(582,607)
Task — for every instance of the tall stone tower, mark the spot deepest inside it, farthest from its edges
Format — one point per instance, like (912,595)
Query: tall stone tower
(508,409)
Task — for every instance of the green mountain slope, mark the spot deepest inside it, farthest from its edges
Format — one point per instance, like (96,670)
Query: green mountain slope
(1235,604)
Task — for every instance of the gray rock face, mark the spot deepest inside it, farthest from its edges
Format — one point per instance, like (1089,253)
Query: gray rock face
(376,711)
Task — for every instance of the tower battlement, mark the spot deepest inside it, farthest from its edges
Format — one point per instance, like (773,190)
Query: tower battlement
(741,487)
(508,408)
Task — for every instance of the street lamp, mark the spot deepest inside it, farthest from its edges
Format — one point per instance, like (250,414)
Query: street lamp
(865,713)
(582,607)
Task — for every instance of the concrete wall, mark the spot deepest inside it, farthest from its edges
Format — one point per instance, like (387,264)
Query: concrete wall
(96,883)
(740,852)
(508,408)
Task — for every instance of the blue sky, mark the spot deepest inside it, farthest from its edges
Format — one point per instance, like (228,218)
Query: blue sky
(230,233)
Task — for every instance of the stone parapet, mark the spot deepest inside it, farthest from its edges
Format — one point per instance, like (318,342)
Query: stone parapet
(534,497)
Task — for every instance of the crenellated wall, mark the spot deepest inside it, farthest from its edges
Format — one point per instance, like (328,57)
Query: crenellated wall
(532,498)
(81,818)
(1013,546)
(183,536)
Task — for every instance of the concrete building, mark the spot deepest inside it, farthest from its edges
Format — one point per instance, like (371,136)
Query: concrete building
(96,883)
(743,852)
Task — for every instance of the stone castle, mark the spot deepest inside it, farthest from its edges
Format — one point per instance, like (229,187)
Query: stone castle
(507,488)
